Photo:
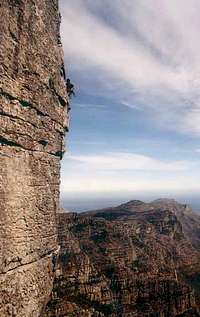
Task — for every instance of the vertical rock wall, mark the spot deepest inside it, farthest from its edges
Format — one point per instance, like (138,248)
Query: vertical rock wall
(33,121)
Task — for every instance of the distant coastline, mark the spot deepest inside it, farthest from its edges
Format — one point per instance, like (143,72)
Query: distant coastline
(85,204)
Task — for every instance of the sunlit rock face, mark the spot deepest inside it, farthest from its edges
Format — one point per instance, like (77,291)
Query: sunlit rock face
(133,260)
(33,122)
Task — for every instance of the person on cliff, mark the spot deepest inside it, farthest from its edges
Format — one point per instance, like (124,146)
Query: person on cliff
(70,88)
(70,91)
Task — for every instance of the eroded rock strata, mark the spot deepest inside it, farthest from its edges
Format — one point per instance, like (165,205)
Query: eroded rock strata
(133,260)
(33,122)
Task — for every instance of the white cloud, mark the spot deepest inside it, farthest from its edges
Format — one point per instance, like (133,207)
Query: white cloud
(95,183)
(191,121)
(90,105)
(150,49)
(126,172)
(98,44)
(128,161)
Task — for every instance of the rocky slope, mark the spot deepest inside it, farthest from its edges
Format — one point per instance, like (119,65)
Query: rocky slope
(33,121)
(136,259)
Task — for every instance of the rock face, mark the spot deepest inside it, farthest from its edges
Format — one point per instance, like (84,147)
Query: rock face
(33,121)
(133,260)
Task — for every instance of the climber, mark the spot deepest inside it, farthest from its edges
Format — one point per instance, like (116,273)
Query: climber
(62,72)
(70,88)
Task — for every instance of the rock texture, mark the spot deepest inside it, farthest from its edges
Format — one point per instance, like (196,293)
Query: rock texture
(136,259)
(33,121)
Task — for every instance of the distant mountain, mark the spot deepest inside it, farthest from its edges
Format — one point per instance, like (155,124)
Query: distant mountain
(137,259)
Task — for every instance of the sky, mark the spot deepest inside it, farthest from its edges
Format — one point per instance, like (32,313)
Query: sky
(135,120)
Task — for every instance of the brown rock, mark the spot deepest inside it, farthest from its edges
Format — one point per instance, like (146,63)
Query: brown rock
(132,260)
(33,122)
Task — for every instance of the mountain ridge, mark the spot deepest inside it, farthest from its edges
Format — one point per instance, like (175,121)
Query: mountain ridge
(135,259)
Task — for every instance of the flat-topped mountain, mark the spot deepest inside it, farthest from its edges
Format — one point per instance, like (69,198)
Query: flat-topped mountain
(137,259)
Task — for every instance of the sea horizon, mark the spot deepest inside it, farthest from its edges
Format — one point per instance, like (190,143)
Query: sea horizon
(85,204)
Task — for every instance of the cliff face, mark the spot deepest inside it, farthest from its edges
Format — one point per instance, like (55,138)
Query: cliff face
(33,122)
(132,260)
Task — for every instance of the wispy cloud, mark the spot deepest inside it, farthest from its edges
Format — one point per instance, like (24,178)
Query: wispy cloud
(148,51)
(191,121)
(90,185)
(129,161)
(125,172)
(118,173)
(90,105)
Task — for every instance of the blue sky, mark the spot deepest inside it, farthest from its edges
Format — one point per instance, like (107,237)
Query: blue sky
(135,122)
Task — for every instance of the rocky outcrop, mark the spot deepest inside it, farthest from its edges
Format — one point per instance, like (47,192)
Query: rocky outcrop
(33,121)
(131,260)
